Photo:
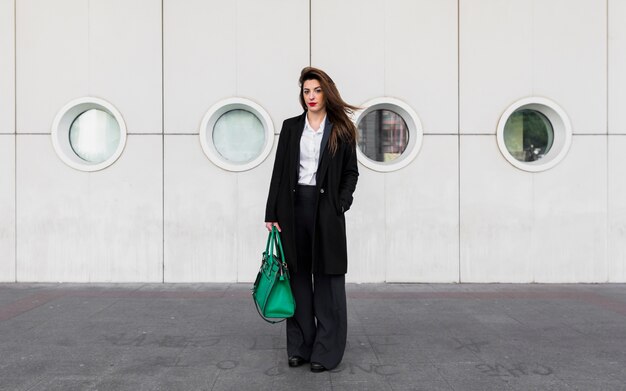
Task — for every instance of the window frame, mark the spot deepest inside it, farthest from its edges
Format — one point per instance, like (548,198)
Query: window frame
(561,126)
(61,128)
(414,125)
(211,117)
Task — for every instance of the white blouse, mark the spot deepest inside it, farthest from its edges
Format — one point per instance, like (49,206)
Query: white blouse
(310,144)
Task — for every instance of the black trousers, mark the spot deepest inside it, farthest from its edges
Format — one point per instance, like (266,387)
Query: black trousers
(317,332)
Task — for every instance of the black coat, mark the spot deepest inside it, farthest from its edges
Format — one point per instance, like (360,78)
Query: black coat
(336,179)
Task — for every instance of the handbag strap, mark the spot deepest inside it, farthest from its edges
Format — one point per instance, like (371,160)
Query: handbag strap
(279,246)
(273,242)
(256,305)
(270,242)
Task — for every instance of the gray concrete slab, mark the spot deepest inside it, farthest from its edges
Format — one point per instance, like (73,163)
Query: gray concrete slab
(401,337)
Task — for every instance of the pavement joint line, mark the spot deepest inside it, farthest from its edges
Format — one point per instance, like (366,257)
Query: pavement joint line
(43,297)
(115,302)
(27,303)
(606,303)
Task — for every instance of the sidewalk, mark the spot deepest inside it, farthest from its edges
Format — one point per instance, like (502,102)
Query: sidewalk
(400,337)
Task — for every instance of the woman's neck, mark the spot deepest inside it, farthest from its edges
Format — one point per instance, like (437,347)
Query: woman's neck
(315,119)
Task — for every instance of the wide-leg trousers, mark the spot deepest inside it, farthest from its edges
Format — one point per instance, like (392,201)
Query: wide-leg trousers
(317,332)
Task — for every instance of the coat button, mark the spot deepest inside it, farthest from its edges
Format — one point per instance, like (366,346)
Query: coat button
(294,190)
(322,191)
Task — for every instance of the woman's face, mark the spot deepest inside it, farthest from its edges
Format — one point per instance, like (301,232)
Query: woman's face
(313,96)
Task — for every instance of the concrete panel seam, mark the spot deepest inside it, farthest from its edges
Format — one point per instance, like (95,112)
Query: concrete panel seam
(458,130)
(608,165)
(385,61)
(15,205)
(237,48)
(15,138)
(88,47)
(606,210)
(237,245)
(14,66)
(493,134)
(310,36)
(162,144)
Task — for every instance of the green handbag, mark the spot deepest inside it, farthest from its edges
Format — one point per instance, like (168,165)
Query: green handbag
(271,291)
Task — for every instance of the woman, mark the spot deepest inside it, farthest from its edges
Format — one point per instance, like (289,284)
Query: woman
(314,177)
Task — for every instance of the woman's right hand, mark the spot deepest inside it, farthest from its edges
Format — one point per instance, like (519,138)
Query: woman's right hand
(271,224)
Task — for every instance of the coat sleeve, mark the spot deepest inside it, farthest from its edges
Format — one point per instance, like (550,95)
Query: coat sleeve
(279,162)
(349,177)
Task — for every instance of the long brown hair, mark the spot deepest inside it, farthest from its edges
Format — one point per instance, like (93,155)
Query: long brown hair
(336,108)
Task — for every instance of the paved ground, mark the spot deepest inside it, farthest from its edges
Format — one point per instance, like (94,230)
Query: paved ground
(401,337)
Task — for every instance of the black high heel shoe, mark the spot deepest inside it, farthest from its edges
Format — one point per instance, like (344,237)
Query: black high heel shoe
(296,361)
(317,367)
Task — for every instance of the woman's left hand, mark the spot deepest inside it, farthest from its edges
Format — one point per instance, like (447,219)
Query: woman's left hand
(271,224)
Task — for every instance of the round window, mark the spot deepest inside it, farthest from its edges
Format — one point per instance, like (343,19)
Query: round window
(383,135)
(534,134)
(528,135)
(236,134)
(88,134)
(389,134)
(94,135)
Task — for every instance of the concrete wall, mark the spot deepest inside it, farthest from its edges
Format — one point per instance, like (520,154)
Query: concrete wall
(519,226)
(7,140)
(458,212)
(617,142)
(73,225)
(213,51)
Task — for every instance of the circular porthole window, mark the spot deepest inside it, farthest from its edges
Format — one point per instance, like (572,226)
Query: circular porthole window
(236,134)
(88,134)
(389,134)
(534,134)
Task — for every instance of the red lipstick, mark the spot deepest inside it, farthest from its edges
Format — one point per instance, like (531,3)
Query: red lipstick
(312,104)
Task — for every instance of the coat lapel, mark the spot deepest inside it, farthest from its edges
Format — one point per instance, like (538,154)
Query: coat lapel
(295,148)
(323,164)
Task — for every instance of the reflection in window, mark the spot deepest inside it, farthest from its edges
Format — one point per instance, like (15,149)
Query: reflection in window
(528,135)
(239,136)
(383,135)
(94,135)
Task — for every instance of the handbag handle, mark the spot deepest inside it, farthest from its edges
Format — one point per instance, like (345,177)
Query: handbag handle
(280,246)
(270,240)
